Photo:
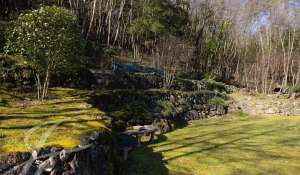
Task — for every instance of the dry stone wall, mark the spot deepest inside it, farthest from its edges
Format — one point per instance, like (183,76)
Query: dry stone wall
(90,158)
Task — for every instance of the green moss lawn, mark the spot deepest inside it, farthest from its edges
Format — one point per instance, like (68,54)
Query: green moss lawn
(62,119)
(231,146)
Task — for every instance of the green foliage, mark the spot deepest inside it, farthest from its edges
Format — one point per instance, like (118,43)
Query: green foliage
(214,85)
(110,52)
(119,125)
(295,89)
(158,17)
(91,49)
(2,29)
(3,102)
(47,36)
(213,42)
(166,108)
(240,113)
(217,101)
(131,114)
(15,70)
(133,111)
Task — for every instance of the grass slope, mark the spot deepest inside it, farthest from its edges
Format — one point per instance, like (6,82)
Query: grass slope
(230,146)
(62,119)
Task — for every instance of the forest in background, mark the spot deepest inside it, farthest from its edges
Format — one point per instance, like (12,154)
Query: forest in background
(253,44)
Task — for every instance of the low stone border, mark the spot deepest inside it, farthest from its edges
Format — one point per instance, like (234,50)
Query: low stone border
(86,159)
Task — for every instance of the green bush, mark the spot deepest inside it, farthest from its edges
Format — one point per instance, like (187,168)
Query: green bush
(217,101)
(295,89)
(15,70)
(3,102)
(166,108)
(2,31)
(214,85)
(119,125)
(49,38)
(132,113)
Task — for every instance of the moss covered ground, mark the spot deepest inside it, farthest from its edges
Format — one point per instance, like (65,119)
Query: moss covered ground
(58,121)
(235,145)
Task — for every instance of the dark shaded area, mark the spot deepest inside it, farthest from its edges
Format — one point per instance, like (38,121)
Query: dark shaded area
(11,160)
(136,68)
(143,161)
(130,108)
(126,140)
(3,102)
(78,78)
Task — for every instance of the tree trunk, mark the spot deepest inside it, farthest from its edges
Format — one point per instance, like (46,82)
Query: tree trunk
(46,84)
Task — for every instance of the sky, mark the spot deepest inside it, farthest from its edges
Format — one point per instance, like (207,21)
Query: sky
(251,15)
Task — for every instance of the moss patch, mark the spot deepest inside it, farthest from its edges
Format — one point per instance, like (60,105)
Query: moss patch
(61,120)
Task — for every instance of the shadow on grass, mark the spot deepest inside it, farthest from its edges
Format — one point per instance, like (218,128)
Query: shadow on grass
(144,161)
(217,146)
(42,115)
(62,123)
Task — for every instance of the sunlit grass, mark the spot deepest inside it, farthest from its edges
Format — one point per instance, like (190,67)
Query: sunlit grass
(231,146)
(64,119)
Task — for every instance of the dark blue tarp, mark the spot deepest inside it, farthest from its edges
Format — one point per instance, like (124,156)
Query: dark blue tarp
(135,68)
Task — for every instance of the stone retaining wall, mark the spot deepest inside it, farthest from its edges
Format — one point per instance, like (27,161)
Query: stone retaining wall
(272,104)
(122,80)
(90,158)
(184,106)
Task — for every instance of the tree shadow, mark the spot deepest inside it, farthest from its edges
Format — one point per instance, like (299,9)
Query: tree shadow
(232,149)
(213,147)
(144,161)
(45,115)
(196,137)
(62,123)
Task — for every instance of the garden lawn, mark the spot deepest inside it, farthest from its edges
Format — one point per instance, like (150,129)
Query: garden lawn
(230,146)
(62,120)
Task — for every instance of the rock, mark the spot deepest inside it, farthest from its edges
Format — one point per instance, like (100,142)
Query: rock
(39,152)
(163,126)
(192,115)
(172,98)
(54,161)
(197,107)
(271,111)
(84,140)
(86,106)
(56,149)
(11,160)
(90,160)
(93,136)
(56,171)
(64,156)
(45,166)
(295,95)
(27,99)
(182,101)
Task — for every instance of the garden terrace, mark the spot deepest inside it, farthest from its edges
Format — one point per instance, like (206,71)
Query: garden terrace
(65,116)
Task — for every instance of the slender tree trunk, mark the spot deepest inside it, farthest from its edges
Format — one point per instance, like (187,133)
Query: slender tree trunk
(46,84)
(92,19)
(38,85)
